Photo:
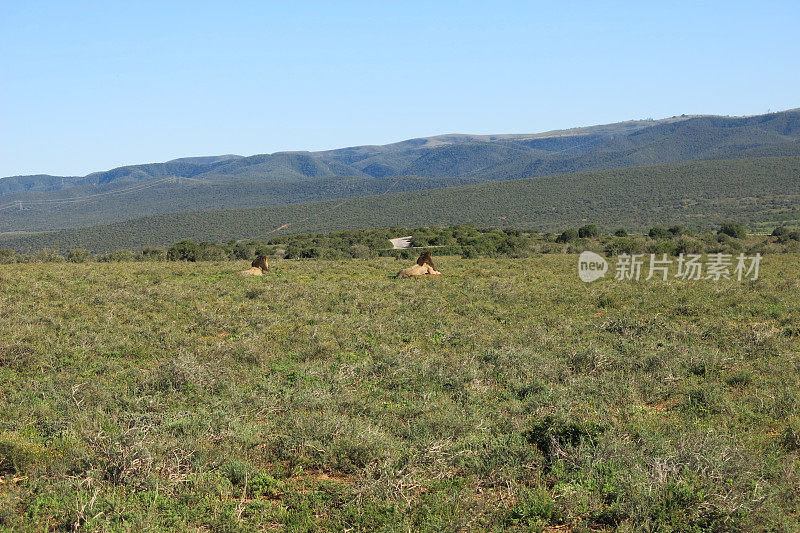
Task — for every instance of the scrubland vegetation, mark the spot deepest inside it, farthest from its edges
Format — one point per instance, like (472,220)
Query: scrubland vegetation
(504,395)
(760,193)
(465,240)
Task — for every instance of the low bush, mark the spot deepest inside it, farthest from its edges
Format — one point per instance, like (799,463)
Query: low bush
(79,255)
(9,256)
(567,236)
(589,231)
(733,229)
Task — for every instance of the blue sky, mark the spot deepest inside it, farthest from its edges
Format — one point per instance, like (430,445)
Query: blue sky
(88,86)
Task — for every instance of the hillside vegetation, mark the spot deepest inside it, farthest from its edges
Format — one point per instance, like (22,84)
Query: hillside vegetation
(505,395)
(171,196)
(223,182)
(759,192)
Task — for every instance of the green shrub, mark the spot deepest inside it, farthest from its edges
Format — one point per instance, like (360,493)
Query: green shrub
(360,251)
(79,255)
(688,245)
(588,231)
(335,254)
(621,232)
(535,507)
(265,485)
(677,231)
(185,250)
(549,431)
(512,246)
(780,231)
(241,250)
(118,256)
(733,229)
(238,472)
(607,301)
(567,236)
(18,455)
(790,438)
(469,252)
(702,400)
(663,246)
(741,379)
(658,232)
(46,255)
(623,245)
(9,256)
(153,254)
(211,252)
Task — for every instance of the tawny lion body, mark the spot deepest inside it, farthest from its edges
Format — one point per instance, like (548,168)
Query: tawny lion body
(424,267)
(259,266)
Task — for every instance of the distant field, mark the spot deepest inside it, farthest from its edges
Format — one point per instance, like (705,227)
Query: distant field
(328,396)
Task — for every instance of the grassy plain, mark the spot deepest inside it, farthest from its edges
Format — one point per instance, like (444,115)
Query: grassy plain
(328,396)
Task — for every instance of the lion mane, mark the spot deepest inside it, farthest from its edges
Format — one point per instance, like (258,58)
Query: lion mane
(257,267)
(260,262)
(425,259)
(424,267)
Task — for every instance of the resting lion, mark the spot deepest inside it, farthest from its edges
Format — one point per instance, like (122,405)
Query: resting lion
(259,266)
(424,267)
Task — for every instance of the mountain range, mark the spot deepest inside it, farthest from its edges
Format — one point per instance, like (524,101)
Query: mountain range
(40,203)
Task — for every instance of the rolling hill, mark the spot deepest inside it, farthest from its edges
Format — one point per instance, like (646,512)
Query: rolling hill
(760,192)
(40,203)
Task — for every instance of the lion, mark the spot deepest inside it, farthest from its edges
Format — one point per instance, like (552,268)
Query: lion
(258,267)
(424,267)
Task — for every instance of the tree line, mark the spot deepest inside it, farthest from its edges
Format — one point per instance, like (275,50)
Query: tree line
(465,240)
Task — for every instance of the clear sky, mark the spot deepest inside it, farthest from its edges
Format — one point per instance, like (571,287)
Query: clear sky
(88,86)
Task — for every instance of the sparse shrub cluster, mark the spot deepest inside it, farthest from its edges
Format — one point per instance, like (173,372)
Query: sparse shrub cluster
(465,240)
(784,234)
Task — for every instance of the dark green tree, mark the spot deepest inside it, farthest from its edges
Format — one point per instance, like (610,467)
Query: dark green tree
(733,229)
(567,236)
(677,231)
(185,250)
(658,232)
(588,231)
